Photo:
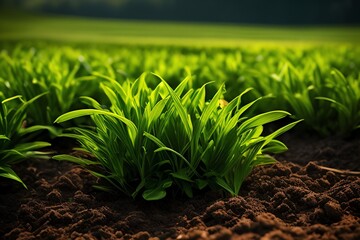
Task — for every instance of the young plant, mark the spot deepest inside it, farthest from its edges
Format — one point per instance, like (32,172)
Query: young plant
(150,141)
(299,92)
(344,96)
(13,148)
(328,103)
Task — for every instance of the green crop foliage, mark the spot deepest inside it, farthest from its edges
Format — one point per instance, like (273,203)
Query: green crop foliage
(13,145)
(152,141)
(61,75)
(296,80)
(300,89)
(328,102)
(344,96)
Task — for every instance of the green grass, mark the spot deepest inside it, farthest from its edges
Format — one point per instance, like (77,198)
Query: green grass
(308,73)
(296,79)
(15,145)
(29,77)
(18,26)
(153,140)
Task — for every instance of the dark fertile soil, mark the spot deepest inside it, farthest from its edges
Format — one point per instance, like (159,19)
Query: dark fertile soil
(293,199)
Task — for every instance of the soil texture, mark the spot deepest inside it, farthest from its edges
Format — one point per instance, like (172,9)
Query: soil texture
(293,199)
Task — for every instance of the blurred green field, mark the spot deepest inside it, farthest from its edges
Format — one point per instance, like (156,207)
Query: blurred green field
(19,26)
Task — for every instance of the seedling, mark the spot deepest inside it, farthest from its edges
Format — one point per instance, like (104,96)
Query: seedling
(152,141)
(12,147)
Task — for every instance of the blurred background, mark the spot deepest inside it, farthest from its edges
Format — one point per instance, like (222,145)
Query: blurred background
(275,12)
(182,22)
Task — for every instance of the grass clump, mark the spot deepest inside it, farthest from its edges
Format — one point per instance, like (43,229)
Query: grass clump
(344,96)
(14,145)
(328,102)
(151,141)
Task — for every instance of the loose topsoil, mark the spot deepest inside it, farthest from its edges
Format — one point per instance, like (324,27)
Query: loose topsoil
(293,199)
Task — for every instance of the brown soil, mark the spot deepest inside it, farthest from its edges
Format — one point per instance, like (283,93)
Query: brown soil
(293,199)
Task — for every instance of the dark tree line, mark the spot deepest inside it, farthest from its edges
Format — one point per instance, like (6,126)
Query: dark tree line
(238,11)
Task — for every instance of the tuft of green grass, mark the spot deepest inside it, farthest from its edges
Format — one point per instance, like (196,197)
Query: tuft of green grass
(328,102)
(344,97)
(299,90)
(14,147)
(155,141)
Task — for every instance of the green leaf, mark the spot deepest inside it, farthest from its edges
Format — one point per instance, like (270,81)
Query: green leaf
(167,183)
(53,130)
(263,118)
(221,182)
(69,158)
(154,194)
(11,99)
(274,146)
(91,102)
(263,160)
(9,173)
(31,146)
(3,137)
(154,139)
(86,112)
(157,111)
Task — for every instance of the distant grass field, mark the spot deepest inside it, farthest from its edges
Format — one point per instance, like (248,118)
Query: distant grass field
(16,26)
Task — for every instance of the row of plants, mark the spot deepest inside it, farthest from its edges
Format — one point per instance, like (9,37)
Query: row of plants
(317,84)
(152,137)
(329,103)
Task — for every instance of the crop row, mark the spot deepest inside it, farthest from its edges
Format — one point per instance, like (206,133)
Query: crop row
(151,136)
(317,84)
